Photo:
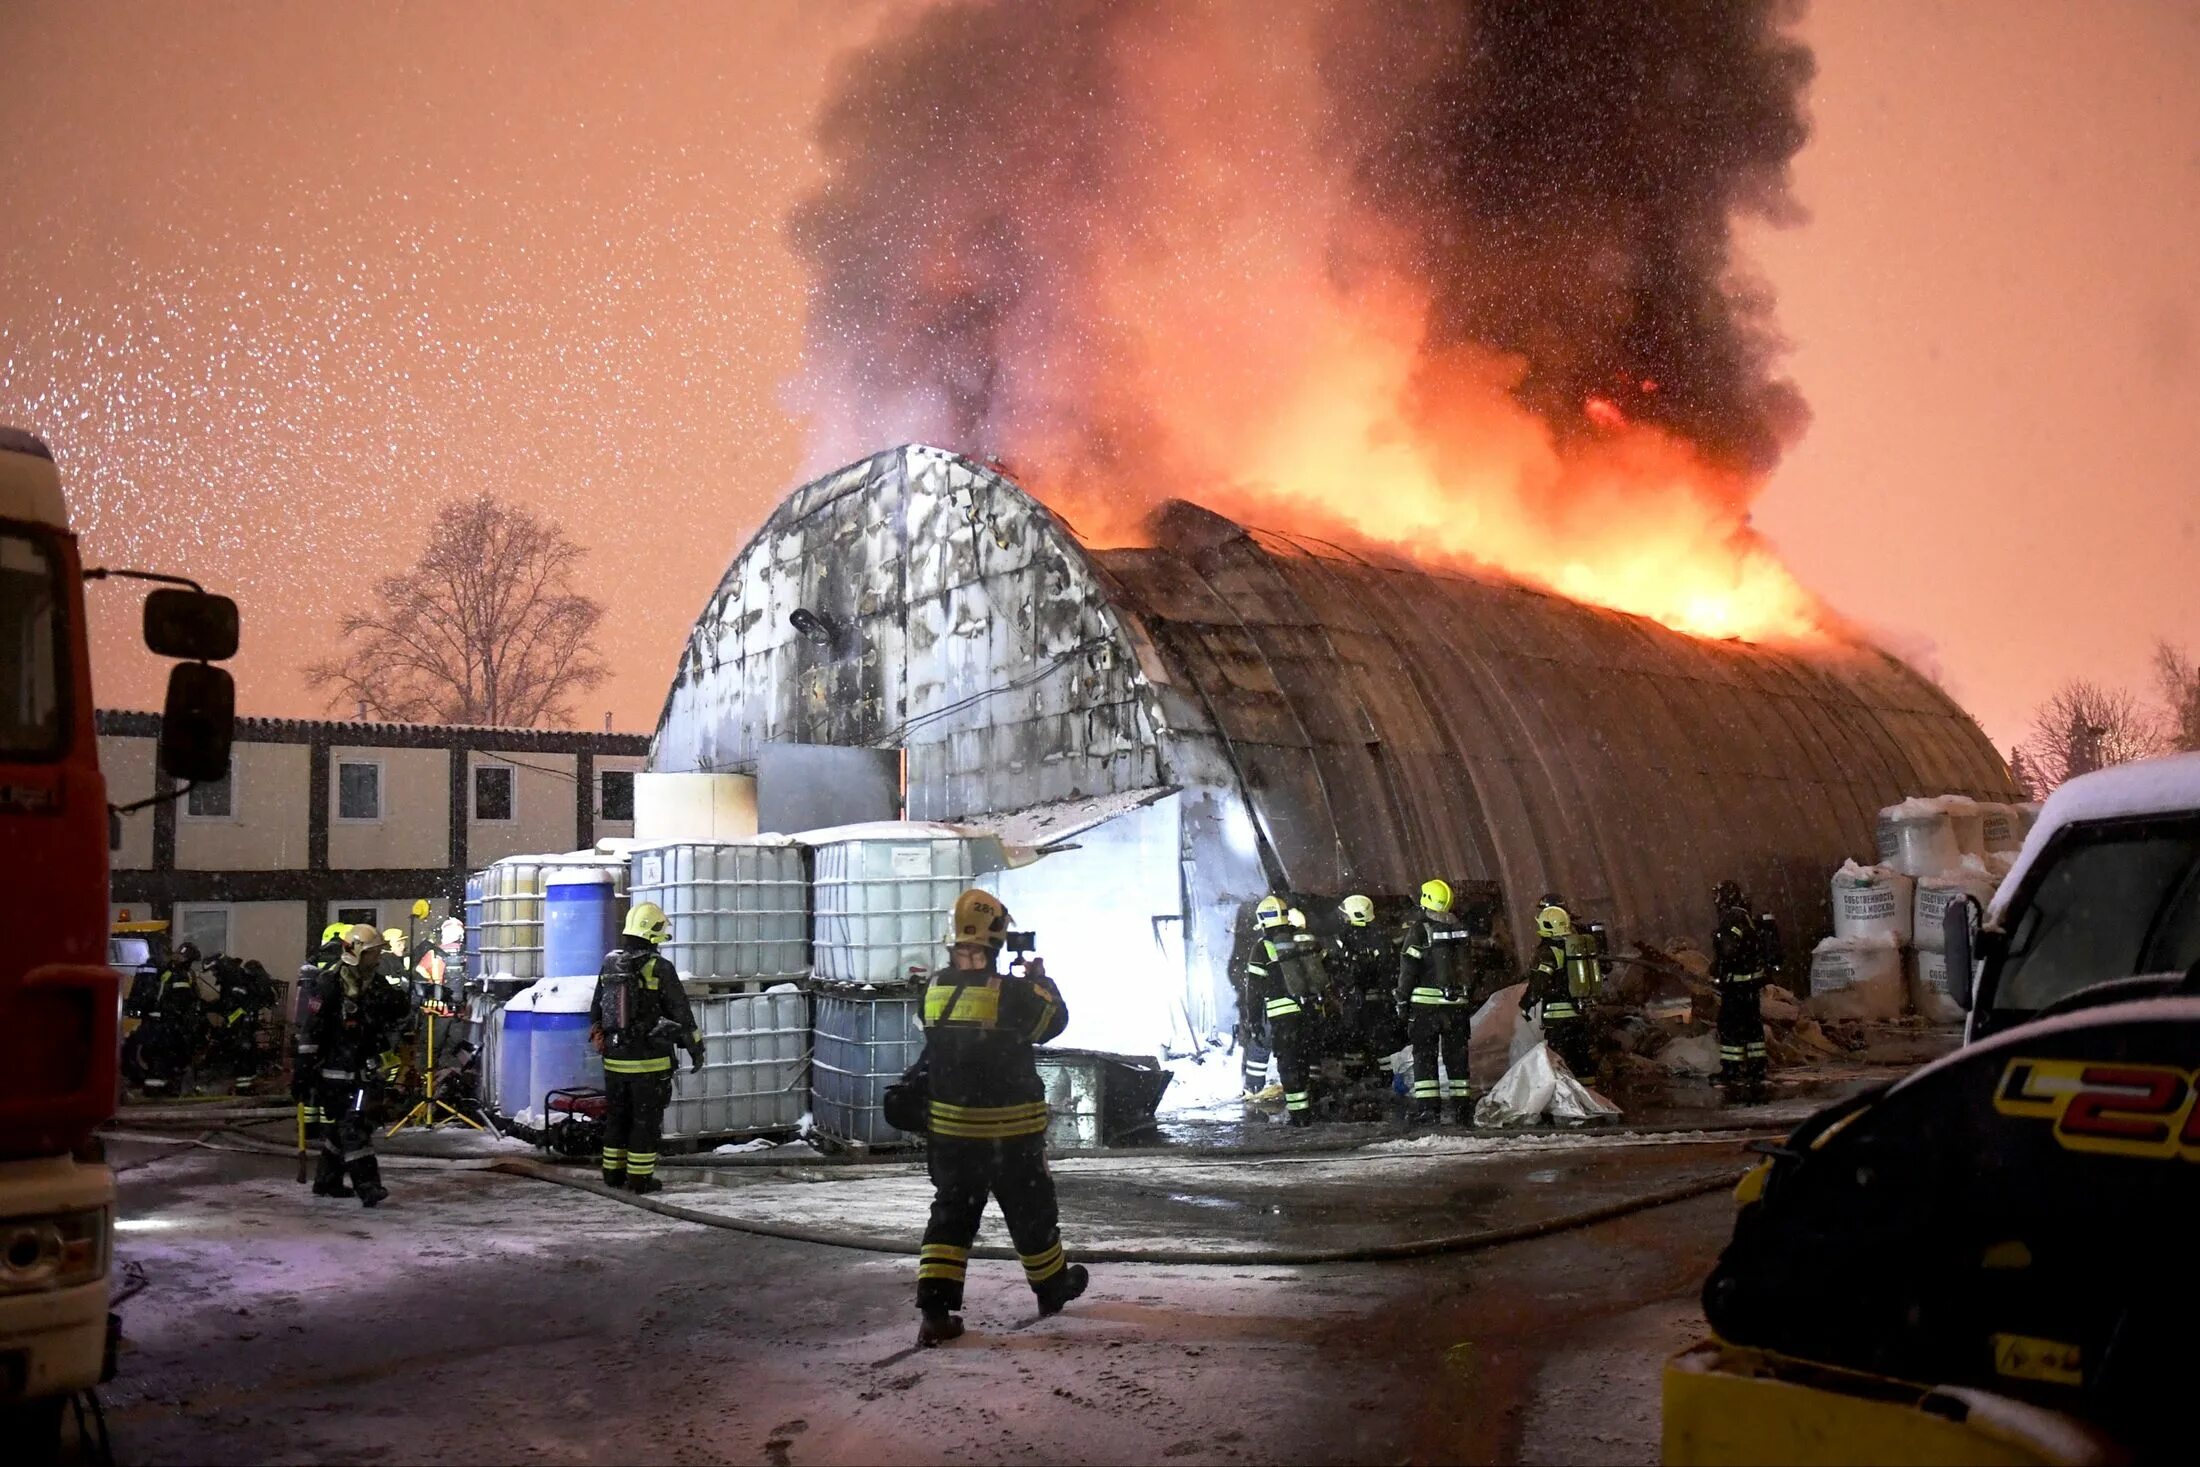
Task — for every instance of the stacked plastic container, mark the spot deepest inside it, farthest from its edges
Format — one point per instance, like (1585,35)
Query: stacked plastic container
(512,916)
(883,904)
(740,911)
(864,1041)
(755,1074)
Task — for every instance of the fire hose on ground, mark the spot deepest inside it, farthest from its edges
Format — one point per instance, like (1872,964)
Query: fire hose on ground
(908,1246)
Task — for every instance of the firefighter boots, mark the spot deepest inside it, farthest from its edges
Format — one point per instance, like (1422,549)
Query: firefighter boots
(372,1192)
(1060,1289)
(1462,1113)
(643,1186)
(937,1327)
(614,1178)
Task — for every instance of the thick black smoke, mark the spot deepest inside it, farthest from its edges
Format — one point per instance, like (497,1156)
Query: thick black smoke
(1572,173)
(1564,179)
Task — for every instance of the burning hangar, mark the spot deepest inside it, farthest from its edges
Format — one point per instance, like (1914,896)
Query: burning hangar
(1230,710)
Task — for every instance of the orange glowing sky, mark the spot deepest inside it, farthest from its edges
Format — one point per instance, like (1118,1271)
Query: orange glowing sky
(277,280)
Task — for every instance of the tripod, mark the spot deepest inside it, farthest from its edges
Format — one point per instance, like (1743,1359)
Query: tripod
(431,1112)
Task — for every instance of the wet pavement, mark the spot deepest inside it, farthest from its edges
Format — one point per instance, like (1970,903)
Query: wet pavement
(478,1317)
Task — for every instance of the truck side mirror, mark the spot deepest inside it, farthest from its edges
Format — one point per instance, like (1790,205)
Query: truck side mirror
(194,626)
(1957,924)
(197,720)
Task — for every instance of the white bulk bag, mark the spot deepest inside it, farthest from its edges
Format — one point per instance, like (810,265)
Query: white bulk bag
(1929,988)
(1917,838)
(1872,901)
(1856,978)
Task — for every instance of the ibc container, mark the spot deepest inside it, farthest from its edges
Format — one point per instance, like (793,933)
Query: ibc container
(558,1054)
(740,911)
(512,915)
(863,1043)
(756,1073)
(883,904)
(577,926)
(472,949)
(489,1034)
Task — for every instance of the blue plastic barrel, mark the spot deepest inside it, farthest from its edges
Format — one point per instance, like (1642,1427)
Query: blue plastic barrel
(559,1057)
(515,1053)
(578,903)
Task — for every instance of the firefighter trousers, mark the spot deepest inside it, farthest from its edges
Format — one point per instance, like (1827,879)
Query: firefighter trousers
(633,1122)
(1741,1034)
(1439,1032)
(1293,1039)
(964,1174)
(1569,1040)
(347,1136)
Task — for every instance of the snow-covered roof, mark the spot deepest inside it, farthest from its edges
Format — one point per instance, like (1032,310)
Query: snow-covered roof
(2165,786)
(29,488)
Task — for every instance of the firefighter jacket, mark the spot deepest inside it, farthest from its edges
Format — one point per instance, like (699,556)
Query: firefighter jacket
(1737,950)
(979,1030)
(177,996)
(1285,972)
(1550,983)
(1360,960)
(1436,966)
(641,1012)
(348,1019)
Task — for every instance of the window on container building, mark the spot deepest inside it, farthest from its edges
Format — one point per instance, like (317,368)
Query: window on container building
(358,790)
(493,792)
(618,794)
(212,799)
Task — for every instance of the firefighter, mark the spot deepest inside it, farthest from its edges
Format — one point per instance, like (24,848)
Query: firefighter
(304,1057)
(1550,989)
(639,1015)
(244,990)
(1435,998)
(348,1019)
(176,1023)
(1360,963)
(1285,975)
(1737,970)
(987,1117)
(1248,980)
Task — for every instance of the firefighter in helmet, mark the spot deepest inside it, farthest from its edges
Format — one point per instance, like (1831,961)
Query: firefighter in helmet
(1550,989)
(305,1062)
(176,1025)
(987,1117)
(1360,962)
(638,1017)
(1436,996)
(1737,970)
(348,1018)
(1285,976)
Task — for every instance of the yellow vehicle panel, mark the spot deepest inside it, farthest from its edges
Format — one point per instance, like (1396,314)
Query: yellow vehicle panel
(1729,1405)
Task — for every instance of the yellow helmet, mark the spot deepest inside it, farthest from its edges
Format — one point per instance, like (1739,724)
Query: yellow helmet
(1357,909)
(1554,921)
(646,920)
(362,944)
(393,938)
(1271,913)
(334,932)
(980,920)
(1436,895)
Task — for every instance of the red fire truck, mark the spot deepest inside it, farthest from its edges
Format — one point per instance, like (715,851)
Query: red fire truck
(59,999)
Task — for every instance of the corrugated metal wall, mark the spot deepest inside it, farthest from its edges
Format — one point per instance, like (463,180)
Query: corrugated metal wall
(1389,724)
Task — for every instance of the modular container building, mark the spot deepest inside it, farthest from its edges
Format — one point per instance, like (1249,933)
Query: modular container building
(1226,710)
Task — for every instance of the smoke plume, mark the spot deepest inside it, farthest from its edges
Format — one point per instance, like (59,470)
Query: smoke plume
(1457,278)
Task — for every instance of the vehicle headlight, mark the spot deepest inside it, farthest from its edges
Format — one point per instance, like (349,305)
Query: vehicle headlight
(56,1252)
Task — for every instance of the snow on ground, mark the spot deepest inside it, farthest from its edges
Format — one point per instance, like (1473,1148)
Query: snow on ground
(1211,1081)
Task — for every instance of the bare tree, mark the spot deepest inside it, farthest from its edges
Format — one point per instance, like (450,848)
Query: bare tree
(2085,727)
(2178,680)
(485,628)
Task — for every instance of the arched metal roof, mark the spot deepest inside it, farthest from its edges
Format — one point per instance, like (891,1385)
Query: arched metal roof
(1389,723)
(1381,721)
